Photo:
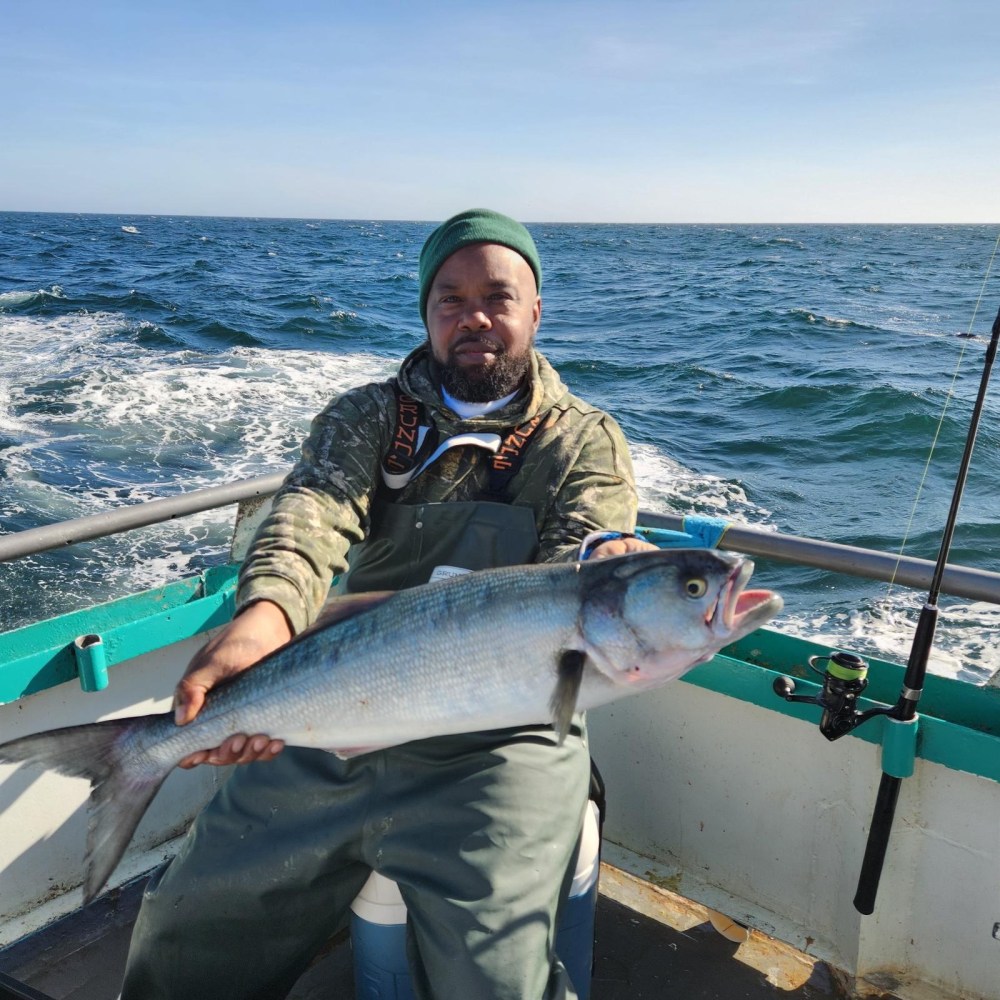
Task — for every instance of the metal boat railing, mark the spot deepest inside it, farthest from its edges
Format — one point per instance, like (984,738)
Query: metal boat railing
(959,581)
(140,515)
(907,571)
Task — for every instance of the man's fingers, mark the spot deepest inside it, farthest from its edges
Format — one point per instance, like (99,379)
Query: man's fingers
(193,760)
(188,700)
(620,546)
(236,749)
(260,747)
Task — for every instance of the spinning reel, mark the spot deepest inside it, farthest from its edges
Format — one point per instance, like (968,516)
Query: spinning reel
(845,676)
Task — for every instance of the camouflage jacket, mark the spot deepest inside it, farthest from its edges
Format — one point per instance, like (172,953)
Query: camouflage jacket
(576,476)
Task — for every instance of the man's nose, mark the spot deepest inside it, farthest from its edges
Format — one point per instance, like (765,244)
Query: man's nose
(474,317)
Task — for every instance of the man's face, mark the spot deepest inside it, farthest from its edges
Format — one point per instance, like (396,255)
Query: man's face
(482,314)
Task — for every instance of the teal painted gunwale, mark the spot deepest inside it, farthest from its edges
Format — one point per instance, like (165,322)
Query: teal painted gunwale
(41,656)
(959,723)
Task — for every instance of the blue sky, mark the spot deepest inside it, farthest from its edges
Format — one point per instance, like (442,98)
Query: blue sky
(675,111)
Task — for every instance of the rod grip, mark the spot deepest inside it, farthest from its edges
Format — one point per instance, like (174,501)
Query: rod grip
(878,843)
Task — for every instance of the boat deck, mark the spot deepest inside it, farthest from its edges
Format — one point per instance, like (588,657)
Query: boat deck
(650,945)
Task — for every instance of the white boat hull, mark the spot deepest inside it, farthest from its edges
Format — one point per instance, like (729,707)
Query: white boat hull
(752,813)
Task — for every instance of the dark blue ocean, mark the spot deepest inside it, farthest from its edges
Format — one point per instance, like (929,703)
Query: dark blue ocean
(792,377)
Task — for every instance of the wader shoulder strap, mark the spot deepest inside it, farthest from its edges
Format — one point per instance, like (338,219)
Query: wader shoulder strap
(507,460)
(414,437)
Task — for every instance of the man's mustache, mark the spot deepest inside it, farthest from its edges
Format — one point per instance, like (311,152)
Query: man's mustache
(478,338)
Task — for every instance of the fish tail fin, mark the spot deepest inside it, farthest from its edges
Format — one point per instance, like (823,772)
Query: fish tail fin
(119,794)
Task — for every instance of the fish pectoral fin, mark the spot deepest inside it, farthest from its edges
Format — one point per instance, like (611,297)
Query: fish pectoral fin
(569,675)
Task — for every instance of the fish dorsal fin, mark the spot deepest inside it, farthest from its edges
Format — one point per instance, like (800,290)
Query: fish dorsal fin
(569,675)
(344,606)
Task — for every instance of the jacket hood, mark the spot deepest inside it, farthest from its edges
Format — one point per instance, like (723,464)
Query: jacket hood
(544,389)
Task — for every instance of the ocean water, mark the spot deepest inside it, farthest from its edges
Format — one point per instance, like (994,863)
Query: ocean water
(791,377)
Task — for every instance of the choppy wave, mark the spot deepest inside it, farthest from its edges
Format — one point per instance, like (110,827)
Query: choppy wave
(22,300)
(809,316)
(178,418)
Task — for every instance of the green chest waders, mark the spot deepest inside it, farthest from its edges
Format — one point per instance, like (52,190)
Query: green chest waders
(414,544)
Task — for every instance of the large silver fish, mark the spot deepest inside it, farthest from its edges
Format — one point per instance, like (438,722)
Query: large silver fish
(487,650)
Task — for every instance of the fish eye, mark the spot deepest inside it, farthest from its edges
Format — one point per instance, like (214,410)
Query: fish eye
(696,587)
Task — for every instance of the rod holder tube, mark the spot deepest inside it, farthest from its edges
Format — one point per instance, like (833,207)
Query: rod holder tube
(899,746)
(91,662)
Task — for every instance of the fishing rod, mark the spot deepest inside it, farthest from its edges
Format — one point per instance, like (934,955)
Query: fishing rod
(844,677)
(904,712)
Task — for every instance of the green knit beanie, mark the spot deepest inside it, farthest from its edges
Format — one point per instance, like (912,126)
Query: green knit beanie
(478,225)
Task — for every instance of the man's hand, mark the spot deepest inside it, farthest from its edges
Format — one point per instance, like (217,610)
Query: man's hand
(258,630)
(619,546)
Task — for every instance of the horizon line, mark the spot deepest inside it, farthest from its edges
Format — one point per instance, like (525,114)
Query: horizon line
(532,222)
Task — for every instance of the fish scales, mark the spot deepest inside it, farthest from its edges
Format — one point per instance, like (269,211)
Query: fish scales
(356,685)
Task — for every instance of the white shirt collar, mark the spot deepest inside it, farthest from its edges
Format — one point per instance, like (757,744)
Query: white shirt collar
(467,410)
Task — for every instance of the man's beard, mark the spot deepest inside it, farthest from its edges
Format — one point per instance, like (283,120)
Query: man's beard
(484,383)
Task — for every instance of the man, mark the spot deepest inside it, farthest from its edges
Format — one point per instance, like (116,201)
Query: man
(476,455)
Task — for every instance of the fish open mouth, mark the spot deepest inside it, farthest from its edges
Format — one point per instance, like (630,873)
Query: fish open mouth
(734,604)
